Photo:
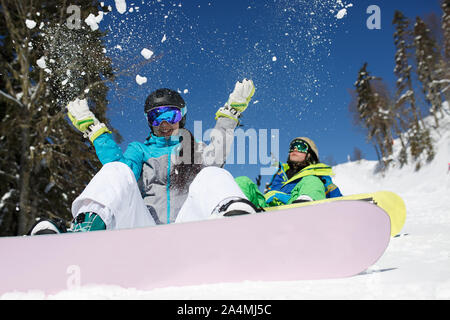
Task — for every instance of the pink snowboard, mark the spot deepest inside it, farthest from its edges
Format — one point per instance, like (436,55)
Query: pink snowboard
(329,240)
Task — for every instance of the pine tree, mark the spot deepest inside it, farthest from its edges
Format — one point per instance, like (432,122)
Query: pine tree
(445,5)
(45,163)
(406,108)
(357,154)
(445,62)
(403,70)
(428,67)
(373,109)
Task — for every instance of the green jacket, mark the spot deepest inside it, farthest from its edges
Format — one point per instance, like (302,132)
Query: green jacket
(285,191)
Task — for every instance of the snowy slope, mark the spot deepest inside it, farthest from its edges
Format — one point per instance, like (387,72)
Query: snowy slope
(416,264)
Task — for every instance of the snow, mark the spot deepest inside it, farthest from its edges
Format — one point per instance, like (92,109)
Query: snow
(146,53)
(342,13)
(121,6)
(140,80)
(416,265)
(5,197)
(41,62)
(93,21)
(30,23)
(406,95)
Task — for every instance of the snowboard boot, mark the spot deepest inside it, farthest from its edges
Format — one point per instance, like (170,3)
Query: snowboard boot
(234,206)
(87,221)
(48,226)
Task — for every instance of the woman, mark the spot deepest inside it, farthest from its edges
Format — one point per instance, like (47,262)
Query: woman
(162,180)
(302,178)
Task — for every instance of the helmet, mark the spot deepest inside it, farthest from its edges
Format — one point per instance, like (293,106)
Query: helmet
(165,97)
(312,145)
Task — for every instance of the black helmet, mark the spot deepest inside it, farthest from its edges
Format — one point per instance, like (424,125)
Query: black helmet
(165,97)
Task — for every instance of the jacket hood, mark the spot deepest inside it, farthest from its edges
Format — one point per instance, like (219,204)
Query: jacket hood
(318,169)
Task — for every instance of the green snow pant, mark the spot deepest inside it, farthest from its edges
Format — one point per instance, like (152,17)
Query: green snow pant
(311,186)
(251,191)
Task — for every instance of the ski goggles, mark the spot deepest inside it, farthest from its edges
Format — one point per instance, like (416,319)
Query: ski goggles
(299,145)
(171,114)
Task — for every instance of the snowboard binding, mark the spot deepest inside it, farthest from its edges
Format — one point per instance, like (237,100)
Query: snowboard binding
(48,226)
(235,206)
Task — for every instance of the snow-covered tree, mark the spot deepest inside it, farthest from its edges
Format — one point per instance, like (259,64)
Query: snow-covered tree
(374,112)
(403,69)
(406,108)
(445,5)
(357,154)
(429,67)
(44,162)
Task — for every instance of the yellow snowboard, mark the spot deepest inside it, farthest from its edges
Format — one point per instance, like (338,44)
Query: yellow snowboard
(389,201)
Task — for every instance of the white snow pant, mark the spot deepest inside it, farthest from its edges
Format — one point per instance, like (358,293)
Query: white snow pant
(114,195)
(211,187)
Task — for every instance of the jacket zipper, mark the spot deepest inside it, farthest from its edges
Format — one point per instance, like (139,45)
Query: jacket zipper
(168,182)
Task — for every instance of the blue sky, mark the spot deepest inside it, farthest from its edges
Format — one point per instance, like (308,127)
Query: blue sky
(301,58)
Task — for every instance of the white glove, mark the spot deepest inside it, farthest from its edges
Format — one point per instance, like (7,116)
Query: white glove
(84,120)
(238,100)
(241,95)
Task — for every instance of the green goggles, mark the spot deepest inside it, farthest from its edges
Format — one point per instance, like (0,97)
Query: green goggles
(299,145)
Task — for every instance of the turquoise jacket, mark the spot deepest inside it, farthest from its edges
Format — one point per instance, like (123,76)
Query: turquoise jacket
(153,163)
(137,153)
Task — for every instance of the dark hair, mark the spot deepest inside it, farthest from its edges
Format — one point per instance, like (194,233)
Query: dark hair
(183,173)
(295,167)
